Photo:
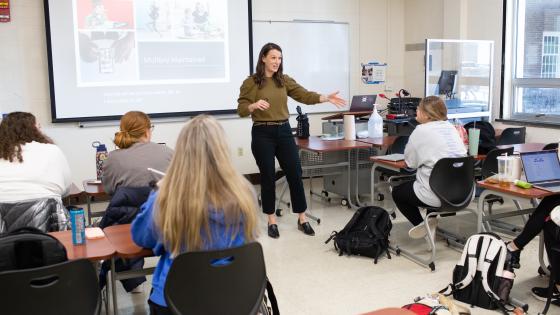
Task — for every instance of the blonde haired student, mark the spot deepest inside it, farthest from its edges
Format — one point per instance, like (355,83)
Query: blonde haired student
(435,138)
(202,203)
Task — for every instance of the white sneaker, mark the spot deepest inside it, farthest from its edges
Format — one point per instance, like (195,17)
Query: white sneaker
(419,231)
(138,289)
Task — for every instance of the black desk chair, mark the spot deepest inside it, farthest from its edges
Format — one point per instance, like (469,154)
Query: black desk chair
(512,136)
(490,168)
(551,146)
(196,284)
(452,180)
(66,288)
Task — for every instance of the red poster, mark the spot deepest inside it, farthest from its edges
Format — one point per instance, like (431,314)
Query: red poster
(4,11)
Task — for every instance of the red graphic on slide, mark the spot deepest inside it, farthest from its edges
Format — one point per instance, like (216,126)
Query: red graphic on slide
(105,14)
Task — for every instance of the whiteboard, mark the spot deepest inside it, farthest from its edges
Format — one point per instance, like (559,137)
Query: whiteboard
(315,54)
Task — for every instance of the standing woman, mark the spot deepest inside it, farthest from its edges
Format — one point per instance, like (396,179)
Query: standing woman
(264,96)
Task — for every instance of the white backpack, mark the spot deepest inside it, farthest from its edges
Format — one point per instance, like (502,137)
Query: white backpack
(478,277)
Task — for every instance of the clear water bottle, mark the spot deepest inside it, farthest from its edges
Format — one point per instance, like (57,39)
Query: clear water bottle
(100,157)
(375,124)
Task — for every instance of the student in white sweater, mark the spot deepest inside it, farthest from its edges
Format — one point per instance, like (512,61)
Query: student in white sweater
(433,139)
(31,166)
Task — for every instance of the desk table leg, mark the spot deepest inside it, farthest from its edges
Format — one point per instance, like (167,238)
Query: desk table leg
(349,188)
(88,200)
(114,287)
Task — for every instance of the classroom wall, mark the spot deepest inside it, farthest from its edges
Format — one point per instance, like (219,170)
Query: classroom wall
(376,33)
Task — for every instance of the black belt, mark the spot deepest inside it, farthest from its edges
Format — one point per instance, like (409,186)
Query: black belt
(270,123)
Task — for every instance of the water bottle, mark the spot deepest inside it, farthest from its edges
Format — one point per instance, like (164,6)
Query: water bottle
(100,157)
(77,219)
(375,124)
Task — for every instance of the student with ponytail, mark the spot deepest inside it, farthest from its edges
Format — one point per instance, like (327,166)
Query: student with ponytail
(128,166)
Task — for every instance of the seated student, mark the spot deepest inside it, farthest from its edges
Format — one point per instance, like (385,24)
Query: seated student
(34,175)
(203,203)
(128,166)
(433,139)
(534,226)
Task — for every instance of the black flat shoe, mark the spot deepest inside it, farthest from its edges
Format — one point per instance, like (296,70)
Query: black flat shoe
(273,231)
(306,228)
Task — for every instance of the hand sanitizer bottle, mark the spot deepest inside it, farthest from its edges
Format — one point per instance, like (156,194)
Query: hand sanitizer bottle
(375,124)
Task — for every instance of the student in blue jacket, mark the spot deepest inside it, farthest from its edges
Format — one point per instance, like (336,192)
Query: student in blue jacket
(202,203)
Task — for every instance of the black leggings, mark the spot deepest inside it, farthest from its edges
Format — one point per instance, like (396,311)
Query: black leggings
(277,141)
(408,203)
(536,224)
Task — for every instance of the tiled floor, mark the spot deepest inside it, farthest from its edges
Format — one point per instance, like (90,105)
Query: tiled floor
(310,278)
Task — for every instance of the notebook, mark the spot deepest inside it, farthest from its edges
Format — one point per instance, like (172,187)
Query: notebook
(542,169)
(392,157)
(362,103)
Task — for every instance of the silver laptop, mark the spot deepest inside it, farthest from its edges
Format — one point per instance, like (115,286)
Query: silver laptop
(542,169)
(362,103)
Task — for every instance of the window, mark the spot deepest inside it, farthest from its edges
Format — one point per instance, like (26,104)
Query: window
(535,68)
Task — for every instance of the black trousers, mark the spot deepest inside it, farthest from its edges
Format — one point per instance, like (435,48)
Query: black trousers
(536,224)
(156,309)
(405,199)
(277,141)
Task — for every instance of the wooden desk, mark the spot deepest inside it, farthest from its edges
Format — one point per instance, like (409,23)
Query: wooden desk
(377,163)
(120,238)
(93,190)
(319,146)
(340,115)
(524,147)
(74,193)
(95,250)
(383,142)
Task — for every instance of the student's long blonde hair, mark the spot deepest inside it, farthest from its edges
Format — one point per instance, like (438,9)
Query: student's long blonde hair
(201,176)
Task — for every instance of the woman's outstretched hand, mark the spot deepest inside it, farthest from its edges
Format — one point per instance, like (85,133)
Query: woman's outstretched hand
(334,99)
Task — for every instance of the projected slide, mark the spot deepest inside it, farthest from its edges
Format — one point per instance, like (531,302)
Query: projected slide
(151,42)
(163,57)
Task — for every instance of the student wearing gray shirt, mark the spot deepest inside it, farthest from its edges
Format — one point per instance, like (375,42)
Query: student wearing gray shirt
(435,138)
(128,166)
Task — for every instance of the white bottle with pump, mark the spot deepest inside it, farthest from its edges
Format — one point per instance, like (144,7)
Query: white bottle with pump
(375,124)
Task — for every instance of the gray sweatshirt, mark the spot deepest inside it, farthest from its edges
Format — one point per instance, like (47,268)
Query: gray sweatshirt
(129,167)
(428,143)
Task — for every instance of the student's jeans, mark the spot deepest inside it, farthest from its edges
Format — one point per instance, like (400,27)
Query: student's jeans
(268,142)
(408,203)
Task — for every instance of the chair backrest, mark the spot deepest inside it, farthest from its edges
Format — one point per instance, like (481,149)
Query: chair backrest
(70,287)
(228,281)
(490,163)
(399,145)
(452,180)
(551,146)
(512,136)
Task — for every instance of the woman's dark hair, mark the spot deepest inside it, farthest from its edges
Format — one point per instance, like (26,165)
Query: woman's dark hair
(17,129)
(259,75)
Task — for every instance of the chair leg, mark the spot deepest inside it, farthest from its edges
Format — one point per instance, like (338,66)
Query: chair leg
(426,262)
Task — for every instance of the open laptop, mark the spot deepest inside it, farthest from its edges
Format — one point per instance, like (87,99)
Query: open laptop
(362,103)
(542,169)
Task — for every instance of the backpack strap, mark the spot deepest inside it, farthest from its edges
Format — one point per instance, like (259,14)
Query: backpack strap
(495,247)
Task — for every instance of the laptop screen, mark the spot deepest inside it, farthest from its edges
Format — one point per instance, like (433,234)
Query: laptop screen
(362,103)
(541,166)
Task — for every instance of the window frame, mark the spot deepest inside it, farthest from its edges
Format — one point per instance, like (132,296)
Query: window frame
(511,65)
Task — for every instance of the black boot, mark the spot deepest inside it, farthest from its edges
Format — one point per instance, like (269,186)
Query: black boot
(273,231)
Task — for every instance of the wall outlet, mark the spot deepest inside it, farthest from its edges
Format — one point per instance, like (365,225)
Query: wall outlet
(240,151)
(388,88)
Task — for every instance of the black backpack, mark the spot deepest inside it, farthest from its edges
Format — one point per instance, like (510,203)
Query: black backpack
(28,247)
(478,277)
(487,140)
(366,234)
